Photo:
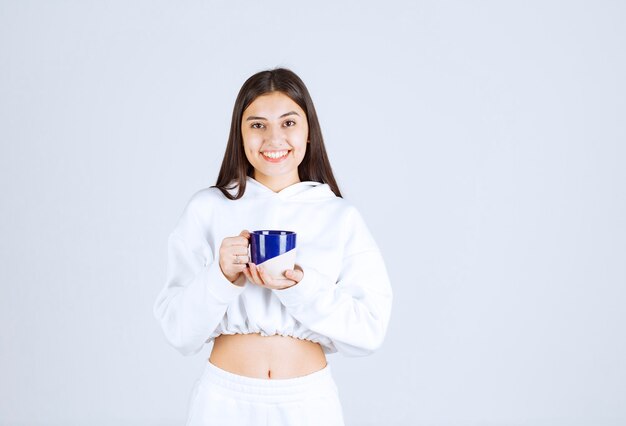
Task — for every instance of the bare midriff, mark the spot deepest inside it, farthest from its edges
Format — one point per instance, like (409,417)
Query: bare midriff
(267,357)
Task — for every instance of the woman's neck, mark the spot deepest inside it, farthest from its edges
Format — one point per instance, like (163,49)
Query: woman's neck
(276,183)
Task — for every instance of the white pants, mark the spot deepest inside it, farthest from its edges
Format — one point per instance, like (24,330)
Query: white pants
(223,398)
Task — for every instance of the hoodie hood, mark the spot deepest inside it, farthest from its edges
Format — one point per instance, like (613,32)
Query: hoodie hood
(301,191)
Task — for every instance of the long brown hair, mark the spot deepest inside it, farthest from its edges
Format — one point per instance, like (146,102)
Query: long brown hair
(235,165)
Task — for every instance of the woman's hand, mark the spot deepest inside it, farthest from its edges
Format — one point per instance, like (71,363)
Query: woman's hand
(234,255)
(257,275)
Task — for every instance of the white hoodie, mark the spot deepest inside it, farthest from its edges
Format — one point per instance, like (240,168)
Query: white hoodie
(343,302)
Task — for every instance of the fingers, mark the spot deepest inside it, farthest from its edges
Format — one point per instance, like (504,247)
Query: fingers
(233,261)
(234,255)
(239,254)
(229,253)
(253,271)
(246,273)
(257,275)
(240,262)
(294,274)
(239,268)
(240,240)
(235,241)
(265,277)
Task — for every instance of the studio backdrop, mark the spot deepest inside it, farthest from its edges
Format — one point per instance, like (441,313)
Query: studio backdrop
(483,142)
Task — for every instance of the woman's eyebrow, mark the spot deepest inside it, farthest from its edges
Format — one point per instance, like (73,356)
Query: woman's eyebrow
(263,118)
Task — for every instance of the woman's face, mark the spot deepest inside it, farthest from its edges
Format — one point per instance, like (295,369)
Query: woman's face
(275,132)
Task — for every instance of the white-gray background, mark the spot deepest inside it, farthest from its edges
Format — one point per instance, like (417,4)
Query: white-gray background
(483,141)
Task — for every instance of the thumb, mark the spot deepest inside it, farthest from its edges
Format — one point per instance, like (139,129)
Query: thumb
(294,274)
(245,233)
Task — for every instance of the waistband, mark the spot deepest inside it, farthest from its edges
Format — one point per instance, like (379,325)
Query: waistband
(317,384)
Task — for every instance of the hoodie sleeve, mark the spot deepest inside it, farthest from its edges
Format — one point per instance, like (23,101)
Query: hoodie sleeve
(196,293)
(354,311)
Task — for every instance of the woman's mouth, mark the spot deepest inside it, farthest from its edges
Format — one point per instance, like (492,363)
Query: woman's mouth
(275,156)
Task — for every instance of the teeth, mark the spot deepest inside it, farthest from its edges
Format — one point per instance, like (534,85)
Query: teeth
(276,154)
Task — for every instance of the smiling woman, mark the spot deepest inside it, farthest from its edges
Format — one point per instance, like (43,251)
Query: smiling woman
(274,104)
(271,334)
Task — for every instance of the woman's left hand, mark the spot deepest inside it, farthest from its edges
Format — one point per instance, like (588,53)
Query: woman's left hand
(257,275)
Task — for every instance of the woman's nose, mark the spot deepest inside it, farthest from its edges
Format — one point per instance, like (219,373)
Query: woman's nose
(275,134)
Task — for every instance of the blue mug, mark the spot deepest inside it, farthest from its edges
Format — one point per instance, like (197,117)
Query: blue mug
(266,244)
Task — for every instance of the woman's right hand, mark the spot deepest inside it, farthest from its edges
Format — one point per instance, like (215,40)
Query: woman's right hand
(234,255)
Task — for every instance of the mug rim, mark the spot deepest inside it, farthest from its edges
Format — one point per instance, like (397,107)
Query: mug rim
(273,232)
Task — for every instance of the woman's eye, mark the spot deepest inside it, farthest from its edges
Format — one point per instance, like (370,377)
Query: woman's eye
(290,121)
(256,125)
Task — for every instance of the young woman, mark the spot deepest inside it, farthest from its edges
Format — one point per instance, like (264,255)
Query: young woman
(271,335)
